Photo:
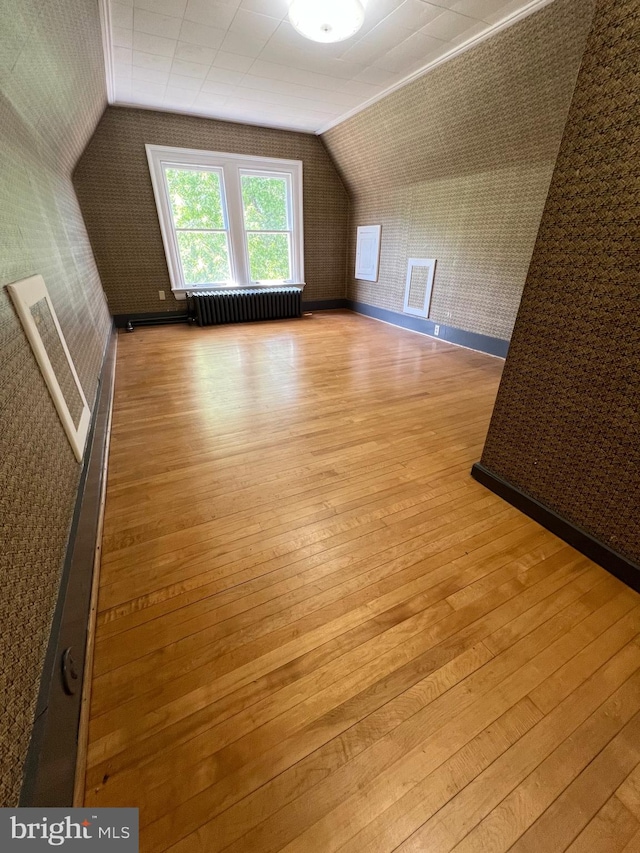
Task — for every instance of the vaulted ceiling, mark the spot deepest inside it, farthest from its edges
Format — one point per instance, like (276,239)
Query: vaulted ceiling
(242,60)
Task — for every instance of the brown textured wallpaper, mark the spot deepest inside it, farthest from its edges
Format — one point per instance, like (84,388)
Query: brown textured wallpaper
(456,166)
(566,425)
(113,185)
(51,97)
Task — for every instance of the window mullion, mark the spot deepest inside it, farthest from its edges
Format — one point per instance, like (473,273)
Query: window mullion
(236,224)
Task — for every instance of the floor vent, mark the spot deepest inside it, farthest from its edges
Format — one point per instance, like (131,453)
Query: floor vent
(238,306)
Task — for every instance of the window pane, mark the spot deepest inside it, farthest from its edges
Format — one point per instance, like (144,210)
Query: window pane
(265,203)
(196,198)
(204,256)
(268,257)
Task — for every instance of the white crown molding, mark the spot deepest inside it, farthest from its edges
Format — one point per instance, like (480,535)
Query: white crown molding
(492,30)
(107,48)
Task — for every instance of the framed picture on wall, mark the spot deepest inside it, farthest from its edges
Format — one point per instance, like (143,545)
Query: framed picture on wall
(368,252)
(38,317)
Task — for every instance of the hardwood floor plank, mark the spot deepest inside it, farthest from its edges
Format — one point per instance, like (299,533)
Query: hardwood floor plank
(634,845)
(608,832)
(220,592)
(558,686)
(511,540)
(316,632)
(412,585)
(338,555)
(583,798)
(542,648)
(493,832)
(483,793)
(512,815)
(419,616)
(177,733)
(629,792)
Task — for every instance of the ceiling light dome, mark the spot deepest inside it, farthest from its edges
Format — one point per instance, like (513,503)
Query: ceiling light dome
(326,20)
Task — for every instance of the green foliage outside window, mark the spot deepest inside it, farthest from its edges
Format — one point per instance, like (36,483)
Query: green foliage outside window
(265,203)
(196,198)
(204,256)
(269,257)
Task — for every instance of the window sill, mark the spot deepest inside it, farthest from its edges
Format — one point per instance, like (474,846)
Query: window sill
(182,293)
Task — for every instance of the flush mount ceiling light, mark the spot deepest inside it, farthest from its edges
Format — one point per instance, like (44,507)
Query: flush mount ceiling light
(326,20)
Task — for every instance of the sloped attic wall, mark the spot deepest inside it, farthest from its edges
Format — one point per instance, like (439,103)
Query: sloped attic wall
(456,166)
(52,94)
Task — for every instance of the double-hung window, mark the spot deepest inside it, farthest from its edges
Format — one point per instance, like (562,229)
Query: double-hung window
(228,220)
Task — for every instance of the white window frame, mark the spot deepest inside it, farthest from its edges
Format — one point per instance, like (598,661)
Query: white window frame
(231,167)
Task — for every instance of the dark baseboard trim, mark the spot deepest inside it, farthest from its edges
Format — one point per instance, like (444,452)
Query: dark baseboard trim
(49,771)
(624,569)
(324,304)
(471,340)
(153,318)
(161,318)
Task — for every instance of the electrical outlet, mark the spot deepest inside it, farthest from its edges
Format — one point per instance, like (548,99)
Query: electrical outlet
(161,294)
(436,330)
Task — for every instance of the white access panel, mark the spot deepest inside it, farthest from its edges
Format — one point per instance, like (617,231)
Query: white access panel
(419,286)
(37,314)
(368,252)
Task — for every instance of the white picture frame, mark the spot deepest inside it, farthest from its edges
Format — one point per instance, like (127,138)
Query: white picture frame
(26,294)
(424,309)
(368,252)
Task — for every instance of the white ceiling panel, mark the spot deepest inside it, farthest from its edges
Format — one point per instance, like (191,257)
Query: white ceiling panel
(163,7)
(210,13)
(199,34)
(274,8)
(253,25)
(447,25)
(156,25)
(122,37)
(242,60)
(195,53)
(243,45)
(150,75)
(122,57)
(213,87)
(189,69)
(223,75)
(156,45)
(150,60)
(175,97)
(191,84)
(122,15)
(232,61)
(477,8)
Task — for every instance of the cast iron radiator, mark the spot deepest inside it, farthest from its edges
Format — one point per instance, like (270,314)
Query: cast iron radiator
(211,308)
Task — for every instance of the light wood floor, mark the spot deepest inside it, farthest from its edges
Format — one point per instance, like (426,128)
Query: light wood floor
(318,633)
